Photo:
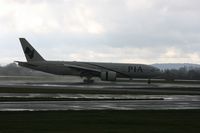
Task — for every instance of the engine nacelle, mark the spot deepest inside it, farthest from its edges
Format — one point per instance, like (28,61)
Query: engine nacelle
(108,76)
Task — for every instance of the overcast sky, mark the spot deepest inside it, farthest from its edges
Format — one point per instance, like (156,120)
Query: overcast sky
(131,31)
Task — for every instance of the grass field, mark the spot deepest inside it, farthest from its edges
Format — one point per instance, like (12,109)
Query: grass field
(166,121)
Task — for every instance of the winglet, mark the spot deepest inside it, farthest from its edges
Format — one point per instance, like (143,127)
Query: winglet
(30,53)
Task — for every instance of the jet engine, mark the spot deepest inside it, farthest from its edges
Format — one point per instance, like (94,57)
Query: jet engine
(108,76)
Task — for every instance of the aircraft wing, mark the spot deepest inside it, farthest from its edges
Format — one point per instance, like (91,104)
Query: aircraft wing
(92,70)
(82,68)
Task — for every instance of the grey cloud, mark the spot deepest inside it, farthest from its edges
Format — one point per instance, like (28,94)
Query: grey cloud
(67,28)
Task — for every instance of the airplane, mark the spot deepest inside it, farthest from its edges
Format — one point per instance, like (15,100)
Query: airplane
(88,70)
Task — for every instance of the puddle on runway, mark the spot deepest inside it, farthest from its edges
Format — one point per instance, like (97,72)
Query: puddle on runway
(102,96)
(98,105)
(171,102)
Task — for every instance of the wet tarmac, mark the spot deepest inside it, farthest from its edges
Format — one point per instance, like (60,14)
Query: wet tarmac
(98,105)
(190,99)
(110,102)
(125,87)
(101,85)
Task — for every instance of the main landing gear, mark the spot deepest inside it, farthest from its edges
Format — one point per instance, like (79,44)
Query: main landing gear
(149,81)
(88,80)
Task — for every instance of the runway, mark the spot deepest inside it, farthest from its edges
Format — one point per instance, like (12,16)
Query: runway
(99,105)
(24,95)
(98,102)
(107,87)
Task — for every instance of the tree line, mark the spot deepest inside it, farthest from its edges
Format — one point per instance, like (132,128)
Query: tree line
(14,70)
(181,73)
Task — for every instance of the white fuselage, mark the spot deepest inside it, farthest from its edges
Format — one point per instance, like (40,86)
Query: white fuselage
(122,70)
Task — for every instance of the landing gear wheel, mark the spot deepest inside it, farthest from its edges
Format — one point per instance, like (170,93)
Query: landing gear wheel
(149,81)
(88,81)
